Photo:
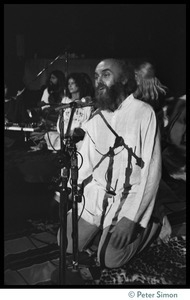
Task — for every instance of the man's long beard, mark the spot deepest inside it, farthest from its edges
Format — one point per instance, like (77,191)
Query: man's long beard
(109,98)
(55,95)
(52,87)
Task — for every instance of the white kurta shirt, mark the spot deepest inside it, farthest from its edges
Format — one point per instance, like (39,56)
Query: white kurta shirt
(45,98)
(135,187)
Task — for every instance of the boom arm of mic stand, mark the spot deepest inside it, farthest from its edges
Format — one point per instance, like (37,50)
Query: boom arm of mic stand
(46,67)
(40,73)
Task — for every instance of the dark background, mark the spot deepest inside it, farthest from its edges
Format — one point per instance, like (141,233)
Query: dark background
(155,31)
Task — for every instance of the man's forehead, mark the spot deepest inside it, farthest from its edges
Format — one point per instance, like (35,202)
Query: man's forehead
(108,64)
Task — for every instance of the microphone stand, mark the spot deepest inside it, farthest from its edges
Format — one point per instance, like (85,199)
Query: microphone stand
(69,165)
(66,63)
(63,205)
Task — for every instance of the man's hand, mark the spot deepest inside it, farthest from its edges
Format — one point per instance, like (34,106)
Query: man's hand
(125,232)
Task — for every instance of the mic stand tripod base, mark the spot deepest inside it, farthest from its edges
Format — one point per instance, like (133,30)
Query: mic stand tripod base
(72,277)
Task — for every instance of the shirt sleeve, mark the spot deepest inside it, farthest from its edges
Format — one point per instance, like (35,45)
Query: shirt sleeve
(144,200)
(45,96)
(87,114)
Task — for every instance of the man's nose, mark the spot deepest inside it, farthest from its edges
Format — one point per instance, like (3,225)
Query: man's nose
(99,80)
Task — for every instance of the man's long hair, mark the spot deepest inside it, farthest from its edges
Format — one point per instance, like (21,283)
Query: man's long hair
(149,87)
(56,92)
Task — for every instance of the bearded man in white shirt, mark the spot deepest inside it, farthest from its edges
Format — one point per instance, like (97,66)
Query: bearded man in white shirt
(121,170)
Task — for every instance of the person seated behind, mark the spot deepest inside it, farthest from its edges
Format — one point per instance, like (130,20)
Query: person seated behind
(78,86)
(52,95)
(174,160)
(174,152)
(152,91)
(121,170)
